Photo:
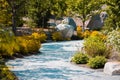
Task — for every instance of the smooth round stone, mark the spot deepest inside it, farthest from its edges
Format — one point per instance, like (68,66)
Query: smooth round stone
(112,68)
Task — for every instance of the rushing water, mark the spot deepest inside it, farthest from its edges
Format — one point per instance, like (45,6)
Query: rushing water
(53,63)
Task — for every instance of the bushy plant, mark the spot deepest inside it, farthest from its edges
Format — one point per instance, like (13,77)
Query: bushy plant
(95,46)
(113,38)
(80,32)
(57,36)
(8,44)
(98,34)
(86,34)
(6,74)
(28,44)
(80,58)
(39,36)
(97,62)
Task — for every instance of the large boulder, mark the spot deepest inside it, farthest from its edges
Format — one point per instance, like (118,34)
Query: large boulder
(70,21)
(112,68)
(96,21)
(67,27)
(66,30)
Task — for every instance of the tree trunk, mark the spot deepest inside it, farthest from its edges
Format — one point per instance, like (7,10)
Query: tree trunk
(83,27)
(13,20)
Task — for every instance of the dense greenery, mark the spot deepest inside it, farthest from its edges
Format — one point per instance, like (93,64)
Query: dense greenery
(113,8)
(5,16)
(10,44)
(5,74)
(80,58)
(94,46)
(113,39)
(85,9)
(97,62)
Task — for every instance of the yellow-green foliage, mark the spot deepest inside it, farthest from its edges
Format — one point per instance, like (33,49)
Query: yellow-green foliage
(80,32)
(39,36)
(80,58)
(98,34)
(86,34)
(28,44)
(95,46)
(57,36)
(8,44)
(5,16)
(97,62)
(6,74)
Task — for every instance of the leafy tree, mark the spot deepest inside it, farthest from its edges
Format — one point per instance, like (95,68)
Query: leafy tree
(85,9)
(113,10)
(5,16)
(39,11)
(59,7)
(16,6)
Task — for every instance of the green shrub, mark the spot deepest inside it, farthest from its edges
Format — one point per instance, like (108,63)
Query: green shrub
(80,58)
(28,44)
(6,74)
(8,44)
(97,62)
(95,46)
(113,38)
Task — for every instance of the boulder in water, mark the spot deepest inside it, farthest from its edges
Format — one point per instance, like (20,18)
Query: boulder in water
(66,30)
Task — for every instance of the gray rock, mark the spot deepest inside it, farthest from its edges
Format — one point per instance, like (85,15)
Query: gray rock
(112,68)
(70,21)
(66,30)
(96,21)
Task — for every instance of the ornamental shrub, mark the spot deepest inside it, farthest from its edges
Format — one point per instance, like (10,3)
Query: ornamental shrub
(95,46)
(97,62)
(86,34)
(39,36)
(98,34)
(80,32)
(113,39)
(8,44)
(28,44)
(80,58)
(57,36)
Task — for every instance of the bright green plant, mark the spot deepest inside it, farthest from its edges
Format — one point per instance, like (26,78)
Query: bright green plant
(97,62)
(80,58)
(94,46)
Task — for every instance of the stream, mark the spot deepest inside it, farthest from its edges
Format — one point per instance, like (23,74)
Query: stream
(53,63)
